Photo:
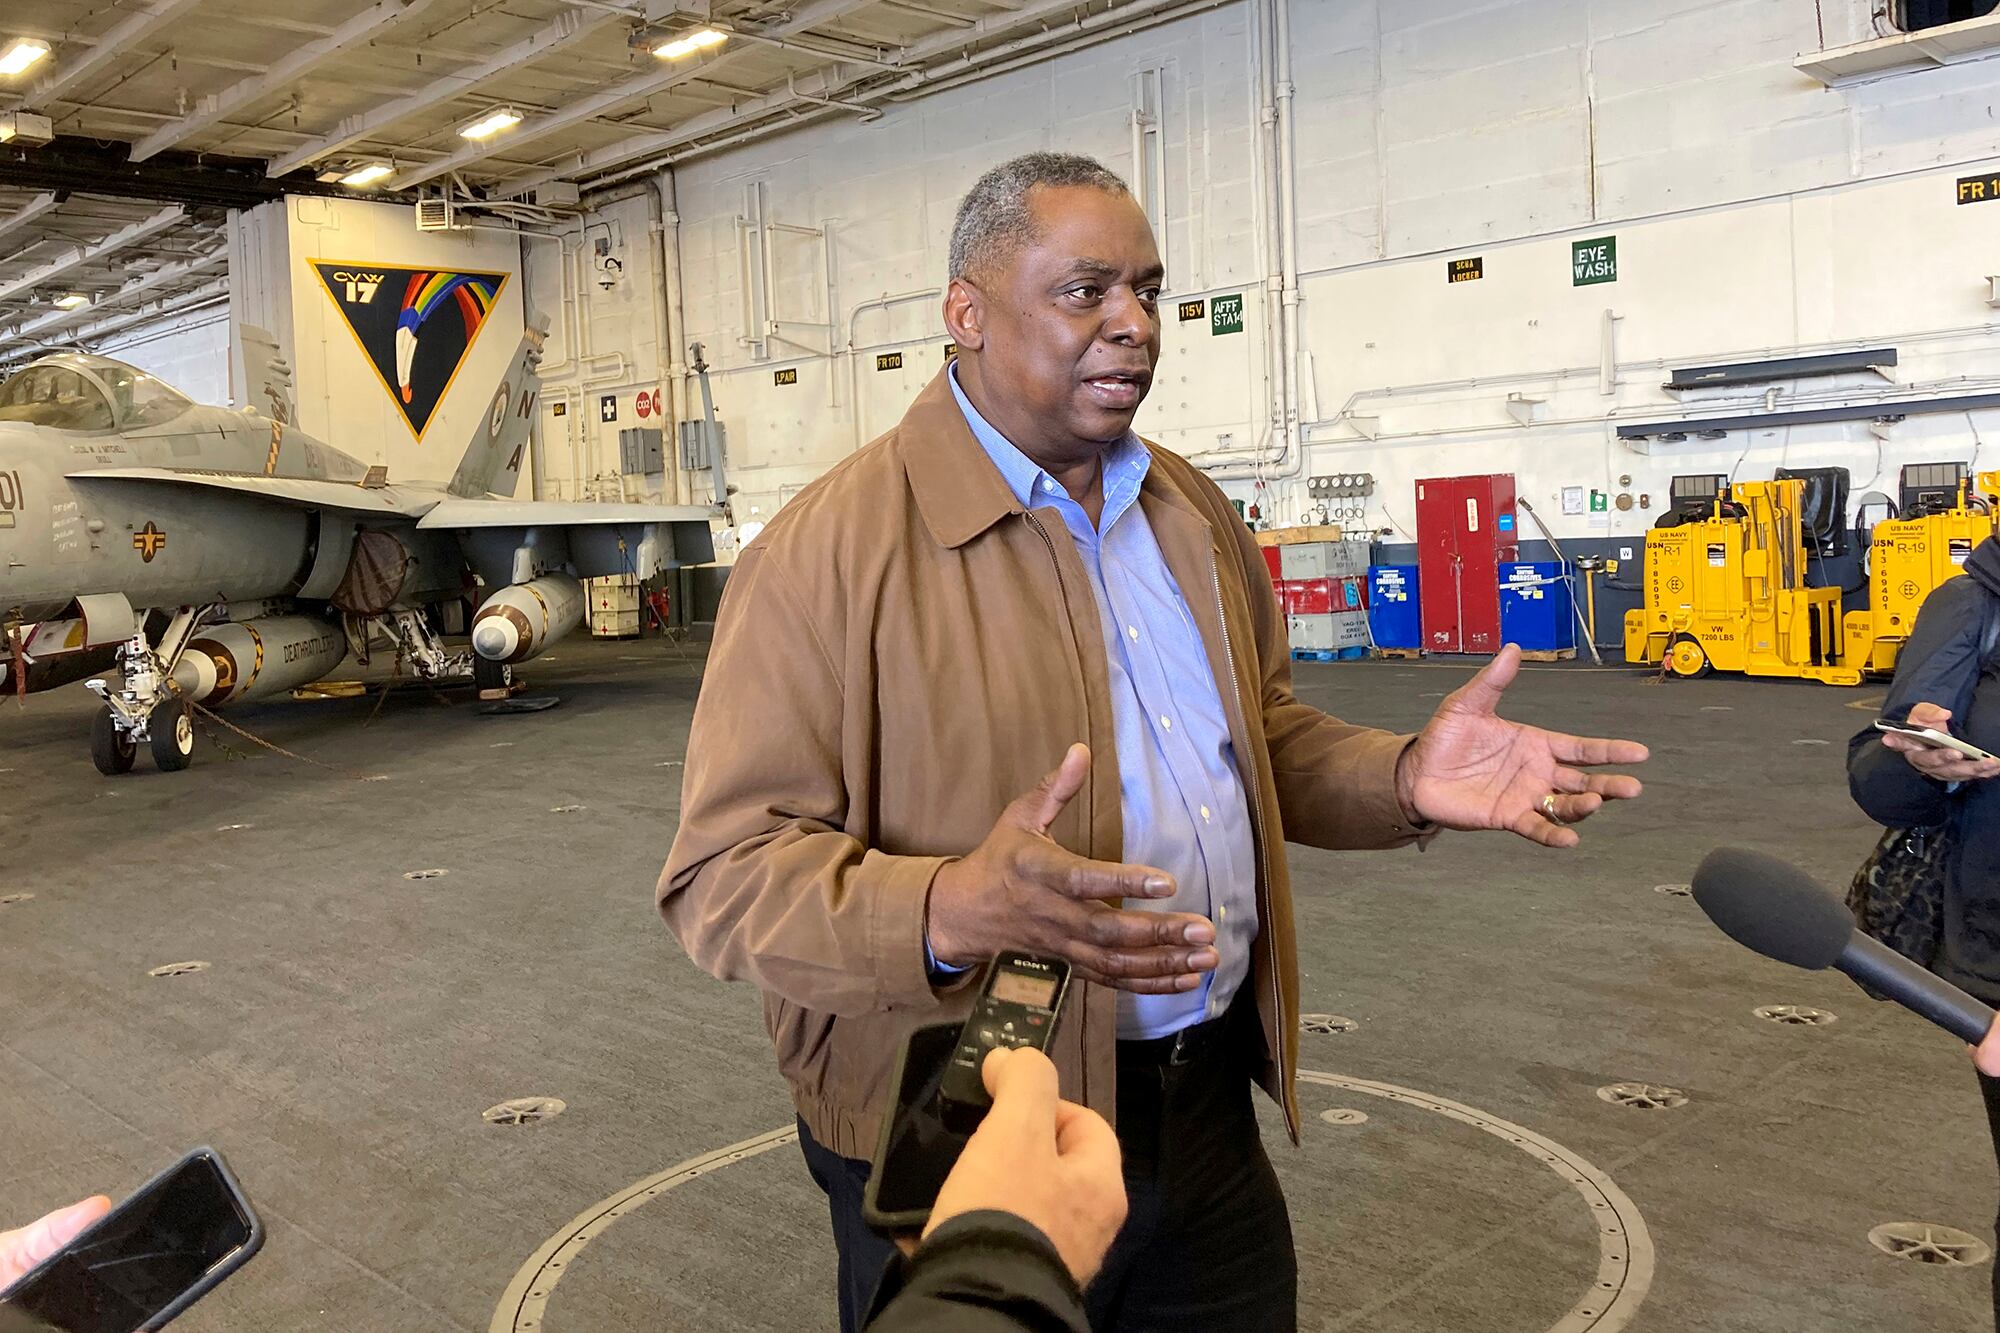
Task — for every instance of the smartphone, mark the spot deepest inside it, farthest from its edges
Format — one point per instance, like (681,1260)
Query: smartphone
(147,1260)
(1938,740)
(916,1150)
(1018,1006)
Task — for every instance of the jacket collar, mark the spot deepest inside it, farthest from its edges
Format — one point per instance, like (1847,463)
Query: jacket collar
(958,489)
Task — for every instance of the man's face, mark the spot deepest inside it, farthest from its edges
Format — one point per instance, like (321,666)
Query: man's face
(1070,325)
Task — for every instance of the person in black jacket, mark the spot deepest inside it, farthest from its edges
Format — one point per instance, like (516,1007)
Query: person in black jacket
(1021,1223)
(1948,679)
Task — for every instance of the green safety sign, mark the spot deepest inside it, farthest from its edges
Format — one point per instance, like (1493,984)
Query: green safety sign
(1225,314)
(1599,502)
(1593,261)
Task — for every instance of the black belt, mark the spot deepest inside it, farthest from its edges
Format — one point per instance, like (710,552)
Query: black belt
(1191,1044)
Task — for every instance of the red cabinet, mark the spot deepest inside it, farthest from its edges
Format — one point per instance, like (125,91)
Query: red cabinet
(1465,531)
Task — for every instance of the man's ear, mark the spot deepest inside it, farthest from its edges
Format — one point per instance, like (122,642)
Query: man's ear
(964,314)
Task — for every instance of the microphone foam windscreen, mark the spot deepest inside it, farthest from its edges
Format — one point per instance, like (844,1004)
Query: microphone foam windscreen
(1771,907)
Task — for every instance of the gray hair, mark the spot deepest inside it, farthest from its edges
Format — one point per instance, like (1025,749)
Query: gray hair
(993,218)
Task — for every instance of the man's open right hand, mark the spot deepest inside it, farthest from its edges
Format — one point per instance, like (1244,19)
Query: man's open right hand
(1020,890)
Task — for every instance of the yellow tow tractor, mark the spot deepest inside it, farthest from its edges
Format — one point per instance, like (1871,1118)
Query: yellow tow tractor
(1725,579)
(1909,556)
(1727,589)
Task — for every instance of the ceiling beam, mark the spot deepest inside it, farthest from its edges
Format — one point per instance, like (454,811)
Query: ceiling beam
(366,24)
(122,38)
(646,85)
(163,308)
(45,202)
(137,233)
(124,296)
(570,27)
(830,81)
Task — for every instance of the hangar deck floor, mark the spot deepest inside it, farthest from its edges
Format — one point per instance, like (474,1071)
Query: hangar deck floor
(355,1023)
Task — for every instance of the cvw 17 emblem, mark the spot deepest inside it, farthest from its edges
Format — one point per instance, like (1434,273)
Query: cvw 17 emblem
(148,541)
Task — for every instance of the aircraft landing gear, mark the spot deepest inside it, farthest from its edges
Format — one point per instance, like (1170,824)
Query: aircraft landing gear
(110,749)
(145,706)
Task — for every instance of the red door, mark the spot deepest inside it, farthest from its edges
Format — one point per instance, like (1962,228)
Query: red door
(1465,531)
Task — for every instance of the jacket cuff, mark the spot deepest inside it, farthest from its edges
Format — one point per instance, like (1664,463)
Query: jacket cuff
(896,930)
(991,1228)
(1380,806)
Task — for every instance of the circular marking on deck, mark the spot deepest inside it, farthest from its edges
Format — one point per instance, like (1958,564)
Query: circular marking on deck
(177,969)
(1344,1115)
(8,900)
(1929,1243)
(1675,890)
(437,872)
(230,828)
(1625,1247)
(564,809)
(1811,740)
(1324,1025)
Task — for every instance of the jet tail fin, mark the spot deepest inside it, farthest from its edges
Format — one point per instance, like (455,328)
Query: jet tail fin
(492,461)
(267,376)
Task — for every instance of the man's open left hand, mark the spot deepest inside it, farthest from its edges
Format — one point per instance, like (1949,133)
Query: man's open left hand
(1472,769)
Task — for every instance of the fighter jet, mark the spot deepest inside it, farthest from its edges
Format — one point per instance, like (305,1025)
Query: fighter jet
(215,555)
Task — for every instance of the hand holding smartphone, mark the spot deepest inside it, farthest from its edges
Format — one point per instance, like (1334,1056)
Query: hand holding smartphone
(1929,736)
(940,1096)
(144,1262)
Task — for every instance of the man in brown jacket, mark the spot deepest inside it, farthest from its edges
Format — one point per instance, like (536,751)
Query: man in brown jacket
(1011,678)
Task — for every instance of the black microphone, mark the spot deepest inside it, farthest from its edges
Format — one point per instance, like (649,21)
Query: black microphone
(1777,910)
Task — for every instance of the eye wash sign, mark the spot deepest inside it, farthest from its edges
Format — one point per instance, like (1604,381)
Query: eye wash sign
(1593,261)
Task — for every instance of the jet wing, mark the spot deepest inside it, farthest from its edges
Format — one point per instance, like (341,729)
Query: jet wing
(511,541)
(303,491)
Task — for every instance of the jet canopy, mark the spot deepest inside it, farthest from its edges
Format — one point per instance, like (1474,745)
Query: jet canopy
(74,391)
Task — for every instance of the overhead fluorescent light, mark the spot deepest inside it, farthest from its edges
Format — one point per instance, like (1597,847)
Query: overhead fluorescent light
(24,52)
(363,177)
(698,40)
(492,123)
(26,127)
(72,301)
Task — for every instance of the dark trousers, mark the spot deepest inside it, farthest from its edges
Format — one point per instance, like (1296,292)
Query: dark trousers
(1207,1242)
(1989,1088)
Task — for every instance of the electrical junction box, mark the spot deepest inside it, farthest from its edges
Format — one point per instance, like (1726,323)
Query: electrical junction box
(641,451)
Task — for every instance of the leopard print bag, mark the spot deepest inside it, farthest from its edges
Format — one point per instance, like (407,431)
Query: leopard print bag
(1898,893)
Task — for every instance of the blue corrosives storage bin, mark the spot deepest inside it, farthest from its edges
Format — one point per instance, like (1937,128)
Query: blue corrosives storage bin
(1536,607)
(1394,617)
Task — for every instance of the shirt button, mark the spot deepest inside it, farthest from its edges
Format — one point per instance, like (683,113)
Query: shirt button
(1222,913)
(1204,814)
(1166,723)
(1132,630)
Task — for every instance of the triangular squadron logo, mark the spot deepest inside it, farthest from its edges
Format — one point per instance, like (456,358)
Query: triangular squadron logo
(415,325)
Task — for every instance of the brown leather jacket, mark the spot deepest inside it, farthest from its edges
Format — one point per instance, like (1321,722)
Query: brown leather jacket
(903,652)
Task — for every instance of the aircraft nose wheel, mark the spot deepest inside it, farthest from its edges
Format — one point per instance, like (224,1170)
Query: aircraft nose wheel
(110,749)
(172,733)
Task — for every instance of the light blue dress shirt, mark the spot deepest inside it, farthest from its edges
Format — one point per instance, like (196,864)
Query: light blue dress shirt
(1183,801)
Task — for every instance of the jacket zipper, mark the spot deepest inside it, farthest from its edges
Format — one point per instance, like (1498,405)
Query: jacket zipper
(1250,794)
(1062,589)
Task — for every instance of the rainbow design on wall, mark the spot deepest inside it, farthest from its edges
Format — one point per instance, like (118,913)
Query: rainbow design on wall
(415,326)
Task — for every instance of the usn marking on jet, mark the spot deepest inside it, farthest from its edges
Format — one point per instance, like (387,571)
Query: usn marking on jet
(214,555)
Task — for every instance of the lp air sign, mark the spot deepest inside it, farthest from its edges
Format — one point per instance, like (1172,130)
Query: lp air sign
(1593,261)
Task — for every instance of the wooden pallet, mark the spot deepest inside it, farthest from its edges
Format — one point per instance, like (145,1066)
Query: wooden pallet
(1548,654)
(1318,532)
(1404,654)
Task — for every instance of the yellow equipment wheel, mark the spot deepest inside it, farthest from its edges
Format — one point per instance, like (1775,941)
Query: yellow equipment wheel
(1687,659)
